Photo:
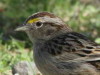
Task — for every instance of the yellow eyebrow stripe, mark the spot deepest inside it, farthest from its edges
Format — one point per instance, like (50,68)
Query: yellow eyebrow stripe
(33,20)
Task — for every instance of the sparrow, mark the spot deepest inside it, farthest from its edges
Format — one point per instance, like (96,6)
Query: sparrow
(57,49)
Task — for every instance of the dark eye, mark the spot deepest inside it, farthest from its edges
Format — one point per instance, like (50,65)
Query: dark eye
(39,24)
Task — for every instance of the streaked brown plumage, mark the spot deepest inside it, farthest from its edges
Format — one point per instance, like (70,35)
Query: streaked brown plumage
(58,50)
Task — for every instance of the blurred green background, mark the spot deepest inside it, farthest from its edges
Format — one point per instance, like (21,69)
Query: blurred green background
(82,15)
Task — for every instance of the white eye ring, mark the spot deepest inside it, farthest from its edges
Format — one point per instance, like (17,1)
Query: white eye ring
(39,24)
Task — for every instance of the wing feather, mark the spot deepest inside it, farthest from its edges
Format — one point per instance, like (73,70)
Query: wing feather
(73,46)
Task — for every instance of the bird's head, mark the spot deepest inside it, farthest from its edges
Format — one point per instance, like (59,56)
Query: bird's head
(43,25)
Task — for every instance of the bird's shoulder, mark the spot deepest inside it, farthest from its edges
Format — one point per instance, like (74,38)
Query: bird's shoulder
(74,46)
(71,42)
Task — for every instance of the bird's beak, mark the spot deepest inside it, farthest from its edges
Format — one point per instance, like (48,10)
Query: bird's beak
(22,28)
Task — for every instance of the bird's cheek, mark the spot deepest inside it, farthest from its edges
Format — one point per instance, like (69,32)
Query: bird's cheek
(49,32)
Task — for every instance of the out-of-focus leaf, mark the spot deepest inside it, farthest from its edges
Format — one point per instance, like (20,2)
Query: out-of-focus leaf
(97,40)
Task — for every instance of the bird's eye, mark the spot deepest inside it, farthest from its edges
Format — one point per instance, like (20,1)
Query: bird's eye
(38,24)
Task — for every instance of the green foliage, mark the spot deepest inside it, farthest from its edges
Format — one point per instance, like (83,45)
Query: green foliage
(12,52)
(82,17)
(97,40)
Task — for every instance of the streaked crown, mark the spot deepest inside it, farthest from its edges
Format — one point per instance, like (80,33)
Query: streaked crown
(44,17)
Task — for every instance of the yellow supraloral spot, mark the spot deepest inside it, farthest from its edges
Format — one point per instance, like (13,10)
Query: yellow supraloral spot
(33,20)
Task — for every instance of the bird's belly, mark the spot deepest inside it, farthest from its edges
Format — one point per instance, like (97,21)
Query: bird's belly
(47,66)
(48,69)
